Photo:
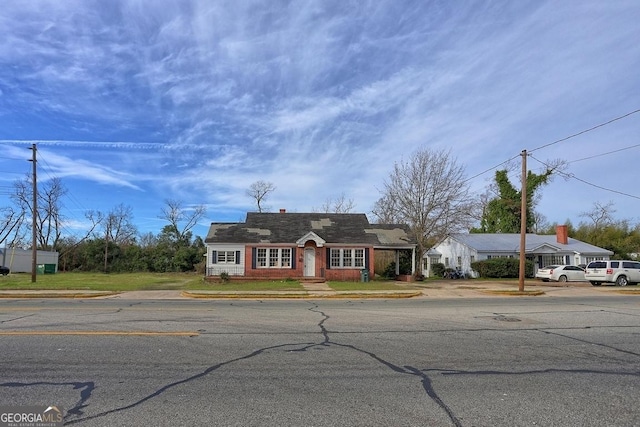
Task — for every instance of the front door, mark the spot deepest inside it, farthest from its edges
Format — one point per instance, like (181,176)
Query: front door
(309,262)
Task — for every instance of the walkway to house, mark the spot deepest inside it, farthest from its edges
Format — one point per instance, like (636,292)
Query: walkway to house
(315,286)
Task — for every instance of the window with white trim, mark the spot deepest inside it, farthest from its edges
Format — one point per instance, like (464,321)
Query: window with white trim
(226,257)
(545,260)
(261,258)
(273,258)
(347,258)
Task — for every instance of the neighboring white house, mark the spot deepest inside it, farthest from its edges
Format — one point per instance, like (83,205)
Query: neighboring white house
(461,249)
(20,260)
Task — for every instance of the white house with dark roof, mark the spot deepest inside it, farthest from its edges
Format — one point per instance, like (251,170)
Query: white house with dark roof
(461,249)
(302,245)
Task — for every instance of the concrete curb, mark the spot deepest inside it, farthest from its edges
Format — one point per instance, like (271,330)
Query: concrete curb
(300,294)
(61,294)
(431,291)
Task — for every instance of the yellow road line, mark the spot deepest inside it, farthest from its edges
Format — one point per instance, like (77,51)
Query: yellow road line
(116,333)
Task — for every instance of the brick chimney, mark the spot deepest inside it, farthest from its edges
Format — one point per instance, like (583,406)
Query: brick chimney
(283,210)
(562,235)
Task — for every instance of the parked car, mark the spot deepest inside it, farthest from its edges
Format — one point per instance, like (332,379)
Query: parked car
(620,272)
(4,270)
(561,273)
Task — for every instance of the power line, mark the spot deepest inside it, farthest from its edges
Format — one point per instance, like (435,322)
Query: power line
(564,139)
(492,168)
(586,130)
(604,154)
(572,176)
(47,168)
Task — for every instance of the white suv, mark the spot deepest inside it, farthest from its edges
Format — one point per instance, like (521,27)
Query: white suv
(620,272)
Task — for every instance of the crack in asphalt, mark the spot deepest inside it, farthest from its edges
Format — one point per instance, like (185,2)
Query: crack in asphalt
(177,383)
(87,388)
(17,318)
(408,370)
(620,350)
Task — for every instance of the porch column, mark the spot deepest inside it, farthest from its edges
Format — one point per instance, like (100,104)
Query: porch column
(413,261)
(397,262)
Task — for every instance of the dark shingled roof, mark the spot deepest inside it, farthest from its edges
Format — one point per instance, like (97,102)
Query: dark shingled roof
(290,227)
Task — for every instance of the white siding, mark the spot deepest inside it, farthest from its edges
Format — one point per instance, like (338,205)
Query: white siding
(19,260)
(454,251)
(233,269)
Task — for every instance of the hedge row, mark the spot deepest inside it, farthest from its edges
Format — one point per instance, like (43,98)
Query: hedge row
(502,268)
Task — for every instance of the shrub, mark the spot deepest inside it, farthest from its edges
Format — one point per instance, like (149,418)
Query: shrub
(501,268)
(390,271)
(224,277)
(438,269)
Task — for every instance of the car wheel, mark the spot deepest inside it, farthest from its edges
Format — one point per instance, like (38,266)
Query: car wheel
(622,281)
(562,278)
(595,283)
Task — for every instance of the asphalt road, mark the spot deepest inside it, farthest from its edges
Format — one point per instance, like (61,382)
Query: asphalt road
(464,362)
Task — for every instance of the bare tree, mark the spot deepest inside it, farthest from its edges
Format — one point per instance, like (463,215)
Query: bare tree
(428,192)
(181,219)
(49,218)
(259,191)
(148,240)
(600,214)
(118,228)
(10,221)
(118,225)
(384,211)
(338,205)
(540,222)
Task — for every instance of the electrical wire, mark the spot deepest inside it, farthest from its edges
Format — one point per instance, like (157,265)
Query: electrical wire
(48,170)
(586,130)
(572,176)
(604,154)
(492,168)
(565,139)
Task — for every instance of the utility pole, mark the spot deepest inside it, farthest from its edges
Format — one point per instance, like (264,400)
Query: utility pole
(523,221)
(34,226)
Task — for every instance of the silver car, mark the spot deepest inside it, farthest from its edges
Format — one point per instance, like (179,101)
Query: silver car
(561,273)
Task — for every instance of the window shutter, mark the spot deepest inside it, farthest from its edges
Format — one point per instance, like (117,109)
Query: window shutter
(366,258)
(293,258)
(328,260)
(254,255)
(214,257)
(237,257)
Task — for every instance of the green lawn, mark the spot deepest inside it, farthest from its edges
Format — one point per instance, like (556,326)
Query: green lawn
(366,286)
(133,282)
(165,281)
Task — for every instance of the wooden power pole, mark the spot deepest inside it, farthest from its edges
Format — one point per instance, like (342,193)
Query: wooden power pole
(523,222)
(34,226)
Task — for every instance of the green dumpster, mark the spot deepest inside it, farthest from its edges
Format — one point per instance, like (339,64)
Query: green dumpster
(49,269)
(40,269)
(364,275)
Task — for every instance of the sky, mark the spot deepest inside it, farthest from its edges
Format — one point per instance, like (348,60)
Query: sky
(142,101)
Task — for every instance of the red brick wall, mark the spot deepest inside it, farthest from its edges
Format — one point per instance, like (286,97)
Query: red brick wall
(320,270)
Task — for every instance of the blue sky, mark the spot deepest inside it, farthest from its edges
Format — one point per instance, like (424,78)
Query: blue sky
(136,102)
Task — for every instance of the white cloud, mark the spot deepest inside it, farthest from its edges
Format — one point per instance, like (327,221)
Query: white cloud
(318,98)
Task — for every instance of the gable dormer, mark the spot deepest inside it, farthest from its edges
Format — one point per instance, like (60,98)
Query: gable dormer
(319,241)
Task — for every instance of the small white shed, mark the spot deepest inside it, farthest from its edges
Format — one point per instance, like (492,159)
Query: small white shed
(19,260)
